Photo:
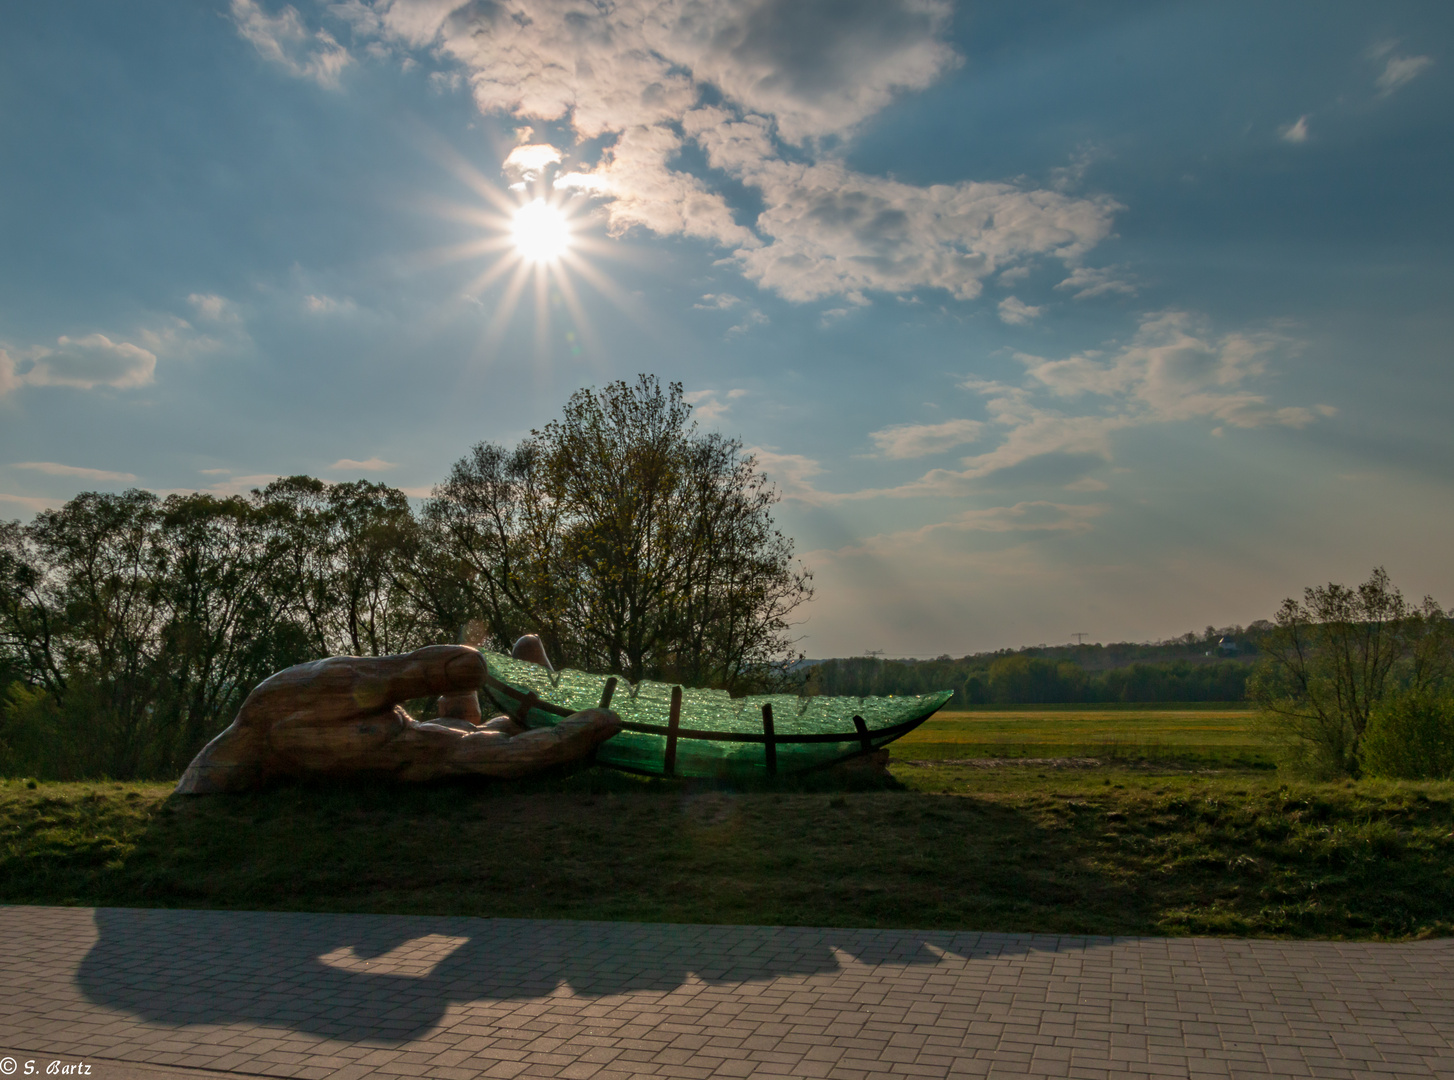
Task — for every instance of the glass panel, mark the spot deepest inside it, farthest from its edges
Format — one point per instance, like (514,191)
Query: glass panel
(715,710)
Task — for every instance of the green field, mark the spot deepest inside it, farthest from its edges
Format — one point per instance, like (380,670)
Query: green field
(1208,735)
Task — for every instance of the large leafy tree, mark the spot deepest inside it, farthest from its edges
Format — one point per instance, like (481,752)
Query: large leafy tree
(341,554)
(629,539)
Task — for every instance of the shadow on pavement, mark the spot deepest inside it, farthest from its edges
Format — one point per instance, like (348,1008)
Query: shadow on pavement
(389,979)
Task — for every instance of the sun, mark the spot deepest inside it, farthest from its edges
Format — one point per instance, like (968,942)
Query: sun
(539,239)
(540,232)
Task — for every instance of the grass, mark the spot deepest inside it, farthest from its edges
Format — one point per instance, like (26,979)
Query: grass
(1204,735)
(1113,850)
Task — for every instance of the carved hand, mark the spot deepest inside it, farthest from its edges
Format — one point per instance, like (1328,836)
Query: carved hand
(342,716)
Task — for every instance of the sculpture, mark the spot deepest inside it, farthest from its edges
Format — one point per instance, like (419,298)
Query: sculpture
(343,717)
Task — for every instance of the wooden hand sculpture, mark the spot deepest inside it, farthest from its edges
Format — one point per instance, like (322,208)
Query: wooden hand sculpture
(342,717)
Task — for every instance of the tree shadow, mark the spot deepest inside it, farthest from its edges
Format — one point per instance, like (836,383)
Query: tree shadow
(390,979)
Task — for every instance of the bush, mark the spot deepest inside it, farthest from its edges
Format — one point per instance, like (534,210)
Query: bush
(1410,736)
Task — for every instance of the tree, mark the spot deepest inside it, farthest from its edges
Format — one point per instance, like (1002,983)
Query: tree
(341,554)
(1331,658)
(228,624)
(630,541)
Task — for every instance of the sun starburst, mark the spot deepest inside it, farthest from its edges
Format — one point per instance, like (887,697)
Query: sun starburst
(538,241)
(541,232)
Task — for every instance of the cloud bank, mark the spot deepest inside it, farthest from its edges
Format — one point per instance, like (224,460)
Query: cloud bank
(769,91)
(84,362)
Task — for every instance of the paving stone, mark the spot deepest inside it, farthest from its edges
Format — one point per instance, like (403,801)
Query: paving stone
(158,994)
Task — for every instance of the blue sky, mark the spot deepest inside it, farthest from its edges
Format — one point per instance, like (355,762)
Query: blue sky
(1045,317)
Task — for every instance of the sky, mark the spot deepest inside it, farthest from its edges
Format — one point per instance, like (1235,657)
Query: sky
(1046,318)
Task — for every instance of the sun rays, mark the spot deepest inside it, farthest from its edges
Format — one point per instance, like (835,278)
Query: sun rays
(536,244)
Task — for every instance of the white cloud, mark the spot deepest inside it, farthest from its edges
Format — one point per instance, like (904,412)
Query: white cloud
(708,407)
(749,318)
(319,304)
(1175,369)
(10,378)
(1035,516)
(88,362)
(1069,177)
(717,302)
(373,464)
(1398,70)
(445,81)
(792,473)
(214,308)
(641,62)
(179,339)
(51,468)
(920,440)
(752,318)
(644,192)
(530,161)
(233,485)
(1296,132)
(1030,432)
(1087,282)
(1016,312)
(787,73)
(837,232)
(284,40)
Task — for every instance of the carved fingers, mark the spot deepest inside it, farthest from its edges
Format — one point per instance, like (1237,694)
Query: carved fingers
(494,752)
(343,689)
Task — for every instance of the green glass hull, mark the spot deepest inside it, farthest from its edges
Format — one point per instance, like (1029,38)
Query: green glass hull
(714,735)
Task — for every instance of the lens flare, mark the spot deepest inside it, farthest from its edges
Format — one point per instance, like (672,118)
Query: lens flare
(540,232)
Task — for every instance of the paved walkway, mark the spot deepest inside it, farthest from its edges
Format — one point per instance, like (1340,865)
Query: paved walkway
(350,996)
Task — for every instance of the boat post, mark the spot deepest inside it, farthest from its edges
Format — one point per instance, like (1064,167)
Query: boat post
(673,725)
(769,748)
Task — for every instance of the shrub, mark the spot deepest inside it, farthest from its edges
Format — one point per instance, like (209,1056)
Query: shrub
(1410,736)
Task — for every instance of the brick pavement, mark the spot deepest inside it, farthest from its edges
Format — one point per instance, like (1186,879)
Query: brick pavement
(350,996)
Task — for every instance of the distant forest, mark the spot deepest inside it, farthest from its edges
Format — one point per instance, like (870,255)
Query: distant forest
(1211,666)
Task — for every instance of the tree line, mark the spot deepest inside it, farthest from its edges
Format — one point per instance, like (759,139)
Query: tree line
(132,626)
(1020,679)
(1211,666)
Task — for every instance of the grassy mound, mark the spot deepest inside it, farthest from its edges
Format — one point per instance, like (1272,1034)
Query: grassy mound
(1112,850)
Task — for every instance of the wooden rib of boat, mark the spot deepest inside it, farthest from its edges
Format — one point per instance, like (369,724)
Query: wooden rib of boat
(677,731)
